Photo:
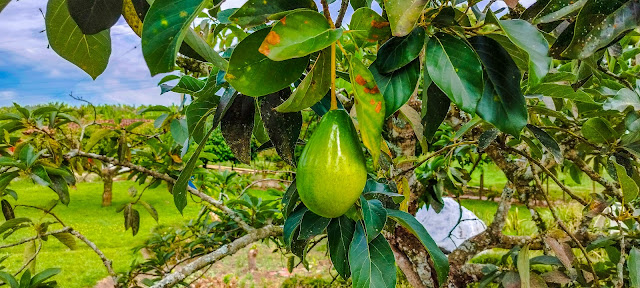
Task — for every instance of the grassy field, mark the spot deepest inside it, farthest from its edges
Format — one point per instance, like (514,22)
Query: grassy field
(103,226)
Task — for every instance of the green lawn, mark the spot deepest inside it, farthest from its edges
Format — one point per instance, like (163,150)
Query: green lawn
(102,225)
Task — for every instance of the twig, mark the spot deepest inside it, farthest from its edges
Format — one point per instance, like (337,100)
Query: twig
(343,9)
(30,259)
(174,278)
(614,76)
(444,149)
(262,180)
(63,230)
(105,261)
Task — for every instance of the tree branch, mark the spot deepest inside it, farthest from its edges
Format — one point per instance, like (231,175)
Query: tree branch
(258,234)
(343,10)
(105,260)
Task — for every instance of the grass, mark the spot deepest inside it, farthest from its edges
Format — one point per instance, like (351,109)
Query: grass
(103,226)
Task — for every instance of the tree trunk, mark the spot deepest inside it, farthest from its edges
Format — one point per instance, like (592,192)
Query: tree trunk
(107,192)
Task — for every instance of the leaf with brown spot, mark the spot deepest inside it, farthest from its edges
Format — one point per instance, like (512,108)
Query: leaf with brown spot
(237,127)
(369,106)
(314,86)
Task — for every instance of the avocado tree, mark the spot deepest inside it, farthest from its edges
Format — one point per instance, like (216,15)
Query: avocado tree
(407,97)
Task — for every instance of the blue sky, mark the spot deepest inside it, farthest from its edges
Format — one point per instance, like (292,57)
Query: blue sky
(31,73)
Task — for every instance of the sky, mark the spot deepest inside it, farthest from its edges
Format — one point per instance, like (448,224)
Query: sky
(31,73)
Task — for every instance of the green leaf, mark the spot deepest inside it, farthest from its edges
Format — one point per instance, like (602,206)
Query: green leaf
(560,91)
(89,52)
(403,14)
(312,225)
(3,4)
(523,267)
(44,275)
(547,141)
(299,34)
(7,210)
(374,216)
(558,9)
(292,224)
(502,103)
(440,261)
(40,176)
(150,209)
(313,87)
(290,199)
(283,128)
(400,51)
(166,24)
(368,26)
(622,100)
(456,69)
(598,130)
(398,86)
(486,138)
(247,67)
(372,263)
(599,23)
(179,190)
(179,130)
(339,234)
(370,107)
(629,187)
(633,264)
(67,239)
(237,127)
(255,12)
(202,48)
(198,112)
(61,187)
(6,178)
(93,16)
(155,108)
(9,224)
(186,85)
(4,276)
(528,38)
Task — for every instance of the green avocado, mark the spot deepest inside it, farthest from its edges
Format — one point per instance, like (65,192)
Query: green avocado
(331,172)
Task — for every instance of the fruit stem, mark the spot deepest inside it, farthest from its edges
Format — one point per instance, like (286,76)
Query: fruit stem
(334,101)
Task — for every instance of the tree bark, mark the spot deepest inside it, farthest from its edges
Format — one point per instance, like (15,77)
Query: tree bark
(107,192)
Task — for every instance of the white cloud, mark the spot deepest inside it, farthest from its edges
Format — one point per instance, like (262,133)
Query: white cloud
(7,96)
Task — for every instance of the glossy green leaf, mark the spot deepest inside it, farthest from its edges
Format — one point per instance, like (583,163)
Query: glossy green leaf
(624,99)
(372,263)
(96,136)
(44,276)
(554,90)
(9,224)
(179,190)
(166,24)
(370,107)
(6,178)
(89,52)
(283,128)
(339,234)
(313,87)
(255,12)
(410,223)
(629,187)
(312,225)
(292,224)
(598,130)
(374,216)
(400,51)
(237,127)
(367,25)
(558,9)
(528,38)
(186,85)
(599,23)
(403,15)
(179,130)
(198,112)
(202,48)
(456,69)
(93,16)
(61,187)
(247,67)
(547,141)
(633,264)
(40,176)
(299,34)
(397,86)
(289,199)
(7,210)
(502,103)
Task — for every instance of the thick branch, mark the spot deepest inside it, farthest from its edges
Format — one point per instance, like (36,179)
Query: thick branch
(343,10)
(218,204)
(174,278)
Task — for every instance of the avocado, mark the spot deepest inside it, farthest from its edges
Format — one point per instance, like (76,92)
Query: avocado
(331,172)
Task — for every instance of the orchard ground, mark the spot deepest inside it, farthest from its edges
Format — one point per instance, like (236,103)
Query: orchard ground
(102,225)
